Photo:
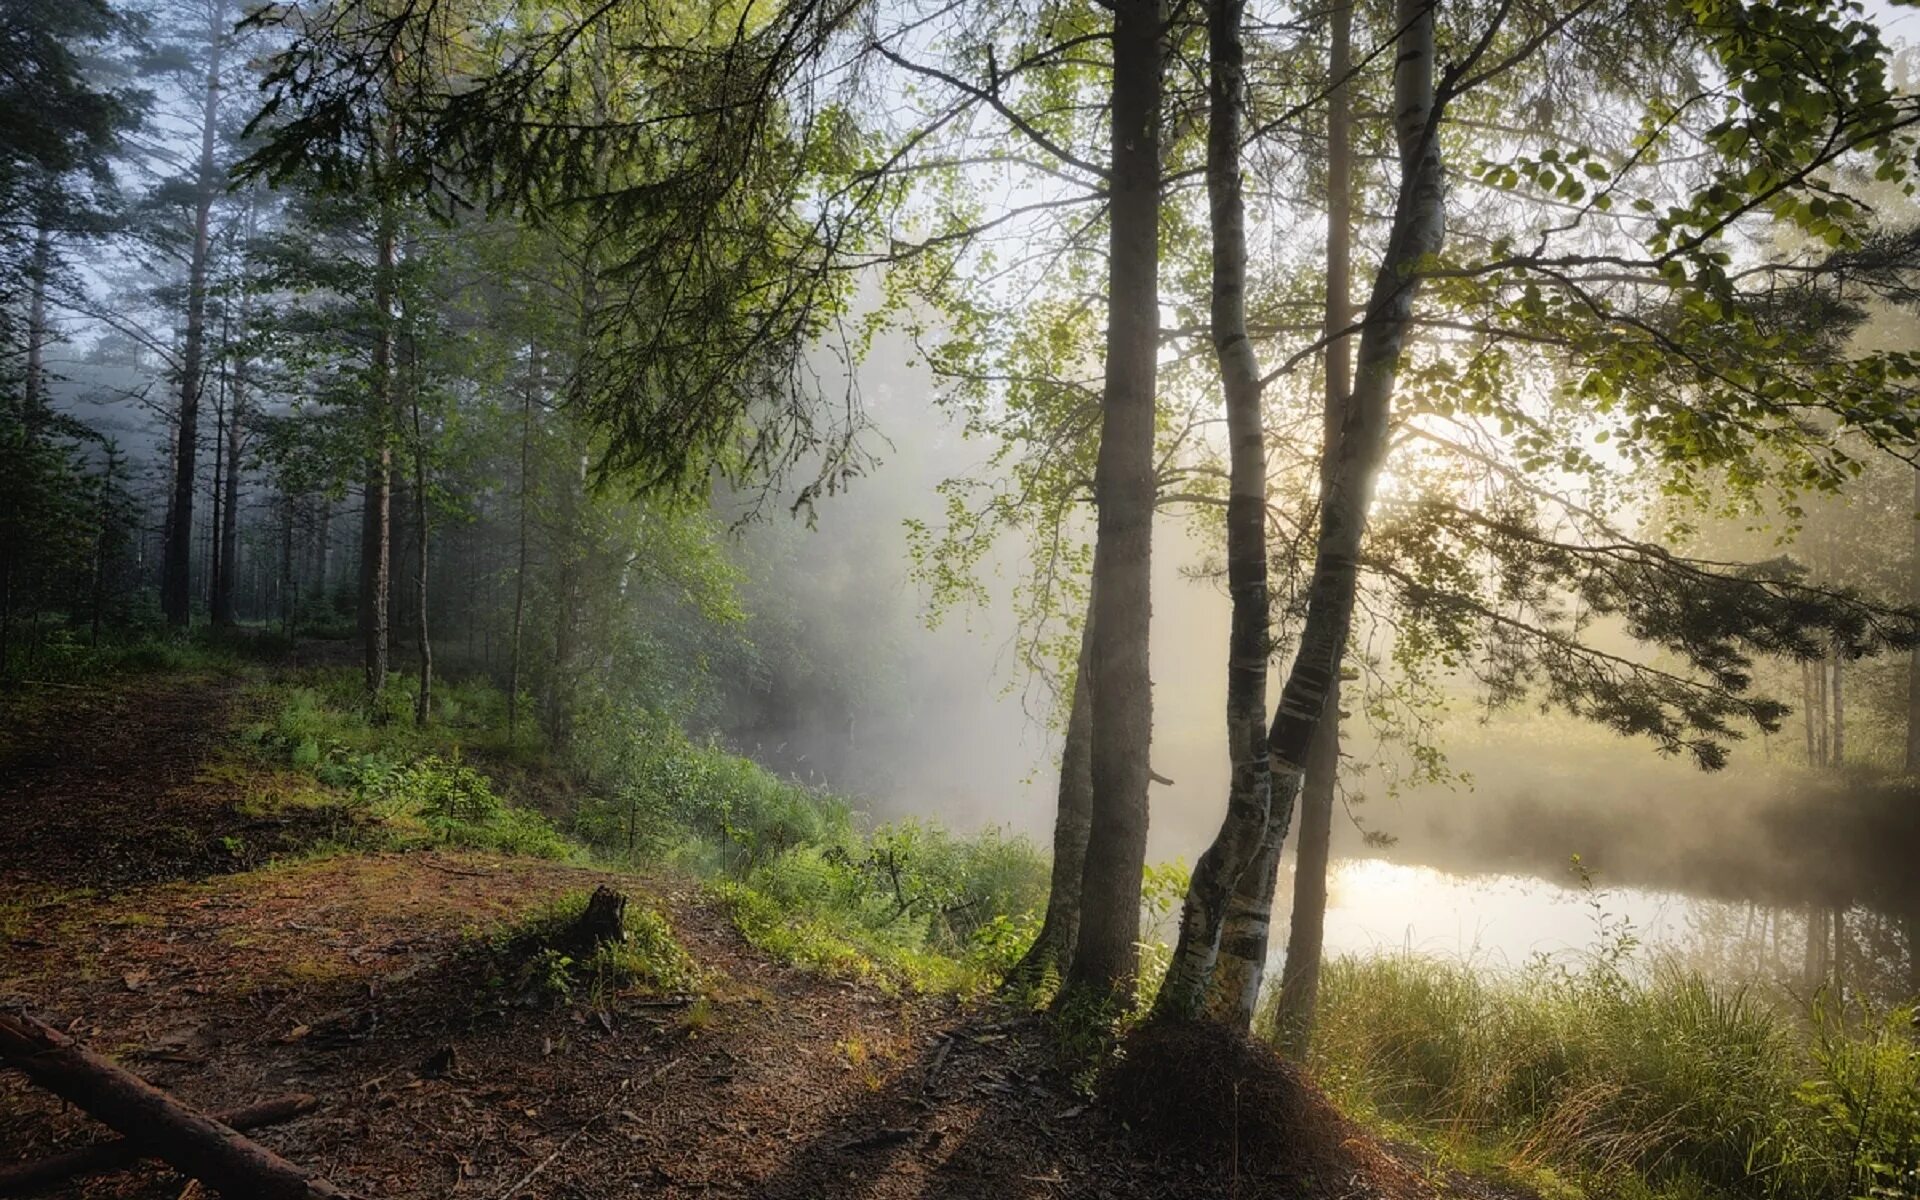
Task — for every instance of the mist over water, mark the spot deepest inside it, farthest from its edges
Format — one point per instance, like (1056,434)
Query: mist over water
(948,729)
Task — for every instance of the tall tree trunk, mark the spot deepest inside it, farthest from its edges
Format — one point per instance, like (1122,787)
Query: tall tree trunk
(176,581)
(1307,931)
(1913,657)
(1106,954)
(1820,694)
(286,566)
(422,703)
(102,542)
(520,563)
(323,550)
(1052,948)
(376,520)
(216,496)
(1243,942)
(1238,844)
(1807,706)
(226,576)
(1417,233)
(1839,711)
(34,386)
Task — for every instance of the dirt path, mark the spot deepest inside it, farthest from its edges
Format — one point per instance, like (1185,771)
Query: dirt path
(104,790)
(341,978)
(354,978)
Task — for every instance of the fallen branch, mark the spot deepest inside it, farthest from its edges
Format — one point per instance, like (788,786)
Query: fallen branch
(189,1141)
(122,1152)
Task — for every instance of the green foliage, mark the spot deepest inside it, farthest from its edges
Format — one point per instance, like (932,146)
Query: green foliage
(410,784)
(1163,887)
(1661,1082)
(906,905)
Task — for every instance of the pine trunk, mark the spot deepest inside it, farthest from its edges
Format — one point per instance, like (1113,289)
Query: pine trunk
(286,566)
(1913,657)
(1239,842)
(226,577)
(1839,711)
(34,386)
(376,519)
(1807,704)
(423,698)
(176,581)
(217,495)
(520,563)
(1106,954)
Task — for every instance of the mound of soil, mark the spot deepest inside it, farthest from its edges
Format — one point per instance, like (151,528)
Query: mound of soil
(1225,1100)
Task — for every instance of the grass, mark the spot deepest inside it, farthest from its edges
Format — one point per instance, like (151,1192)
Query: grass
(1643,1082)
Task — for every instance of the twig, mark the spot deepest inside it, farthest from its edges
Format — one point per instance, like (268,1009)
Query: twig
(427,862)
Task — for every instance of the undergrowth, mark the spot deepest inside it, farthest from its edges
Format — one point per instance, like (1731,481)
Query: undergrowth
(72,655)
(1651,1081)
(395,784)
(907,905)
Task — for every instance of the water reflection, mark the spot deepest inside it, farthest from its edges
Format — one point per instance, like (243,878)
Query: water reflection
(1502,920)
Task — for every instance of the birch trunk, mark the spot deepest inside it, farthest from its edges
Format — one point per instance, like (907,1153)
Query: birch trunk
(1306,932)
(1244,941)
(1239,842)
(1106,954)
(1417,233)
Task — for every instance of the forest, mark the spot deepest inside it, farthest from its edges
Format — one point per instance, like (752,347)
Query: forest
(637,597)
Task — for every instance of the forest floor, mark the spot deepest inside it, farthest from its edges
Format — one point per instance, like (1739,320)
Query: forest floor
(140,911)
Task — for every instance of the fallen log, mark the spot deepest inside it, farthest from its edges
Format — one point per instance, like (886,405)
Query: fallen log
(123,1152)
(163,1128)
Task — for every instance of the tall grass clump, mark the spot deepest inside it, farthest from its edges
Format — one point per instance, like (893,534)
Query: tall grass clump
(1653,1081)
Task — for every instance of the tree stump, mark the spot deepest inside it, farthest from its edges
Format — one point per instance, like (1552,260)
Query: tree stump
(604,921)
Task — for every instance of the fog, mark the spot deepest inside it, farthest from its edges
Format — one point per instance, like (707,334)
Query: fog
(950,728)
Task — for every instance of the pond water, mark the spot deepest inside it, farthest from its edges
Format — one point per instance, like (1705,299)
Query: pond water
(1374,906)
